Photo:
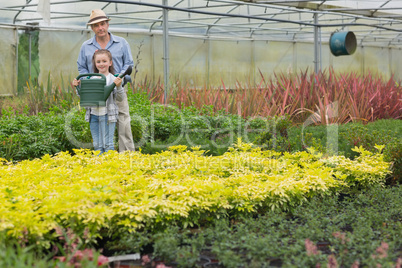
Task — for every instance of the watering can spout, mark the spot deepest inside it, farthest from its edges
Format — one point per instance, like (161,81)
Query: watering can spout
(109,88)
(94,92)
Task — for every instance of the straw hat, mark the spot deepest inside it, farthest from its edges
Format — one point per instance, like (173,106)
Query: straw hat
(97,15)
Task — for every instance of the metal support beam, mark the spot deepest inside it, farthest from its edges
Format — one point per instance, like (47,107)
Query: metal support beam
(316,47)
(29,53)
(166,49)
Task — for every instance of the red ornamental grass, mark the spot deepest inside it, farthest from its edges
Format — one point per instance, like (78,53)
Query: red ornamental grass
(356,97)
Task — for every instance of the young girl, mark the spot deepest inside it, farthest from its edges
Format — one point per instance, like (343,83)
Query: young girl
(102,120)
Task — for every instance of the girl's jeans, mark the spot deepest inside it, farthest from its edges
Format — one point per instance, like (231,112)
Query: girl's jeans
(102,133)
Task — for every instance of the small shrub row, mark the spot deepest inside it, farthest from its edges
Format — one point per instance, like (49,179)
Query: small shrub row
(361,230)
(28,137)
(129,191)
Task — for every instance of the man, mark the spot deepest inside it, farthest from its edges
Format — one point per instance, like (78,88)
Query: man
(122,58)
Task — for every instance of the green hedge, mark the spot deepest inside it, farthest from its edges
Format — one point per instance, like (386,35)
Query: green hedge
(156,127)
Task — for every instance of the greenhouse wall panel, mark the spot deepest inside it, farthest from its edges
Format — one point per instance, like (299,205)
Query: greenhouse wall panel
(274,57)
(211,42)
(304,57)
(189,60)
(58,54)
(395,65)
(8,70)
(377,61)
(196,61)
(230,62)
(142,49)
(348,63)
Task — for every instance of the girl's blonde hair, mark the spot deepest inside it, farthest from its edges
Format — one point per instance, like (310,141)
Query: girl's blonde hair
(102,51)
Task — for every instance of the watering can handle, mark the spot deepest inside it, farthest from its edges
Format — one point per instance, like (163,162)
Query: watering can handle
(90,74)
(127,72)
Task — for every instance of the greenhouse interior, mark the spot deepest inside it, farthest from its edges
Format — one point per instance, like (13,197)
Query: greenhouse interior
(203,42)
(253,133)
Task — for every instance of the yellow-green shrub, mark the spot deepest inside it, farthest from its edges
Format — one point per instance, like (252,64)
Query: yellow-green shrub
(131,190)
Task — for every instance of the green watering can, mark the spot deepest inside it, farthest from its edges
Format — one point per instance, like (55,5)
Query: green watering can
(94,92)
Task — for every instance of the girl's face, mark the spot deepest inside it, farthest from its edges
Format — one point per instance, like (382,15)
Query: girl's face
(103,62)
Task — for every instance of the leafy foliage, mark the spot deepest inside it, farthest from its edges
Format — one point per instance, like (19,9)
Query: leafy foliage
(129,191)
(380,132)
(28,137)
(362,230)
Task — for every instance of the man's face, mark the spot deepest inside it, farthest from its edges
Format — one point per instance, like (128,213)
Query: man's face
(101,28)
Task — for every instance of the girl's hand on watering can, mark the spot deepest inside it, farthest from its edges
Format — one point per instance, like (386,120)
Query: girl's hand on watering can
(76,82)
(118,81)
